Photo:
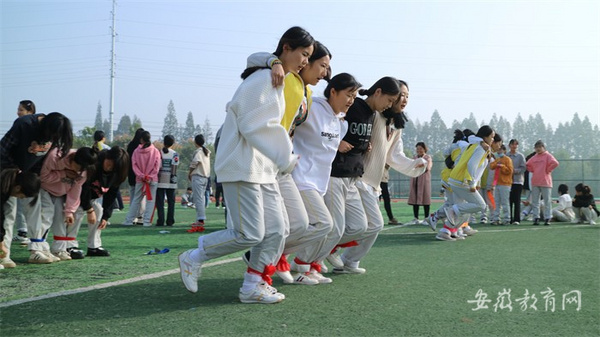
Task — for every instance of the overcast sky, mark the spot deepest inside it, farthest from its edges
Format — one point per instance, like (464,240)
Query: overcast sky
(477,57)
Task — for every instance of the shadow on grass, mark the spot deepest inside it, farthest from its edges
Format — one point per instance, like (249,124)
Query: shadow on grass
(128,301)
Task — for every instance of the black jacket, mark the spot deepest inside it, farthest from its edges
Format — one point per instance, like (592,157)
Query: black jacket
(360,124)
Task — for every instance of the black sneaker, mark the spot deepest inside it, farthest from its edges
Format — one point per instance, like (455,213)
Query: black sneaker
(76,253)
(536,222)
(97,252)
(547,223)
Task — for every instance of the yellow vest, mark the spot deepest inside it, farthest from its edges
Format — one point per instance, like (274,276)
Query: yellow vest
(460,172)
(293,92)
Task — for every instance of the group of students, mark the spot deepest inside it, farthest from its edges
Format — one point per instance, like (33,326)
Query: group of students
(63,186)
(301,175)
(55,188)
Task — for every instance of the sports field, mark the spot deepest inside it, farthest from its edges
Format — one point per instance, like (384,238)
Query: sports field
(503,281)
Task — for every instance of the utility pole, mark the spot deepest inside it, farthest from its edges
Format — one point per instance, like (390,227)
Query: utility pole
(112,73)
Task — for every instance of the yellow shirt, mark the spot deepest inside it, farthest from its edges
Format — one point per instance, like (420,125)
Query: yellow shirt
(296,107)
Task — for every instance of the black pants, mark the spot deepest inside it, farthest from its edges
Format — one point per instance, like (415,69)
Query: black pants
(219,195)
(425,211)
(160,206)
(385,194)
(515,202)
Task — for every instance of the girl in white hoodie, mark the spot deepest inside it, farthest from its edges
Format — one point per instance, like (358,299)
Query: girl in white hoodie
(254,147)
(317,141)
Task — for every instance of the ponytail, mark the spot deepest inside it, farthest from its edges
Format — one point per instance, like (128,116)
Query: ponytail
(199,140)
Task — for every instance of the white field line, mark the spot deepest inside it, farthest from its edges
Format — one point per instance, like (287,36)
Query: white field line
(109,284)
(211,264)
(511,228)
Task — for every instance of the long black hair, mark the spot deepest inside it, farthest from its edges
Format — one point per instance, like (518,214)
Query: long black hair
(120,157)
(86,157)
(294,37)
(146,138)
(339,82)
(168,141)
(29,183)
(396,116)
(56,128)
(199,140)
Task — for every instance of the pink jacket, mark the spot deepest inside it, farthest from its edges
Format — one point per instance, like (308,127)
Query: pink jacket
(541,167)
(146,163)
(54,180)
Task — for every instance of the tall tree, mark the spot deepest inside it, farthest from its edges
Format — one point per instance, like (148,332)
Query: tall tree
(98,123)
(136,123)
(436,132)
(105,126)
(207,131)
(170,126)
(124,125)
(188,131)
(519,132)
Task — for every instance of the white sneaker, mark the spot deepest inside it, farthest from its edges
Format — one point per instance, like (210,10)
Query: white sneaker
(7,263)
(414,221)
(457,236)
(189,271)
(516,223)
(335,260)
(22,240)
(592,222)
(324,268)
(469,231)
(53,257)
(432,220)
(286,276)
(38,257)
(450,215)
(349,270)
(147,224)
(315,275)
(1,267)
(302,278)
(443,236)
(273,290)
(260,294)
(62,255)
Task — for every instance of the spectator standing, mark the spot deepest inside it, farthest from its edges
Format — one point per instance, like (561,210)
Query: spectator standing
(519,168)
(198,174)
(385,195)
(146,164)
(167,182)
(541,166)
(420,186)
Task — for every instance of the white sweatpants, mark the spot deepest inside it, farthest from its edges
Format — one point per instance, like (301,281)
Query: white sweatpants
(94,240)
(10,214)
(137,201)
(320,225)
(502,198)
(545,193)
(296,218)
(36,230)
(349,219)
(466,203)
(256,221)
(53,217)
(370,201)
(585,214)
(199,195)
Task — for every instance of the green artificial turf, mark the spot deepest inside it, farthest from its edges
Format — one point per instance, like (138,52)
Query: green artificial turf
(414,286)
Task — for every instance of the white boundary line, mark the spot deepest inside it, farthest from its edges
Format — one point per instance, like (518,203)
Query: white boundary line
(217,263)
(109,284)
(511,228)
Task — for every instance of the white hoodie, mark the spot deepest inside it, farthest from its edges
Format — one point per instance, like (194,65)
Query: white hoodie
(317,141)
(254,146)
